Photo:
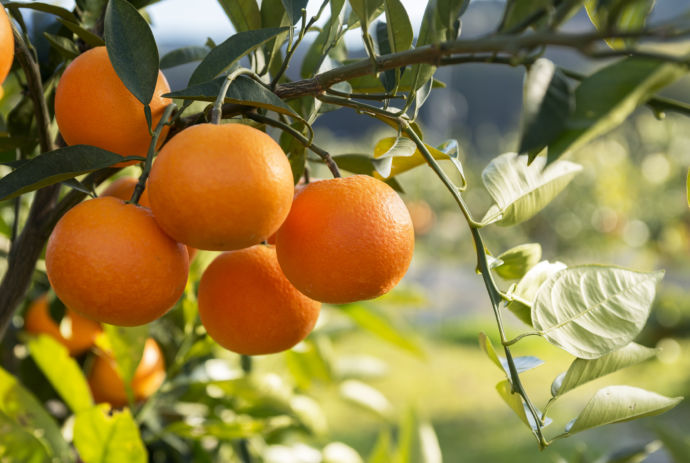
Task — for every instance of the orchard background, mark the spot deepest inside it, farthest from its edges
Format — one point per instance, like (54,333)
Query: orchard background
(599,87)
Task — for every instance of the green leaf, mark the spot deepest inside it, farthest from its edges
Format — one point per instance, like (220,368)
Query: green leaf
(19,443)
(367,397)
(307,362)
(634,454)
(606,98)
(619,15)
(20,410)
(615,404)
(522,364)
(429,447)
(487,346)
(225,430)
(45,8)
(398,25)
(62,371)
(86,35)
(547,103)
(519,11)
(518,260)
(524,292)
(315,55)
(366,11)
(376,323)
(108,436)
(230,51)
(582,371)
(520,190)
(244,14)
(513,400)
(57,166)
(687,187)
(402,147)
(273,15)
(127,347)
(677,444)
(63,45)
(132,49)
(382,450)
(183,55)
(243,90)
(294,8)
(590,310)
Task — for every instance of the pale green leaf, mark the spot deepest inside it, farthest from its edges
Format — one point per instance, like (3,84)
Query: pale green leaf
(429,447)
(522,364)
(367,397)
(488,348)
(62,371)
(606,98)
(401,147)
(382,449)
(619,15)
(377,323)
(614,404)
(127,346)
(22,413)
(525,291)
(514,401)
(521,190)
(687,187)
(582,371)
(518,260)
(105,436)
(366,11)
(591,310)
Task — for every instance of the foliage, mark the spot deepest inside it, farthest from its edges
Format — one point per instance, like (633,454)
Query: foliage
(217,407)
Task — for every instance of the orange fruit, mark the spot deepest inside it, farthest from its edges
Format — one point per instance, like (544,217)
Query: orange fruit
(6,45)
(123,188)
(221,187)
(93,107)
(107,385)
(110,262)
(249,307)
(346,239)
(82,333)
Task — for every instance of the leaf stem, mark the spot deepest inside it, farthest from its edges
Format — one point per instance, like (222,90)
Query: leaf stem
(141,184)
(323,154)
(521,336)
(217,110)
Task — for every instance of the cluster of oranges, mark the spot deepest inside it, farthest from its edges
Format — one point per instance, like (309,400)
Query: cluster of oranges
(223,188)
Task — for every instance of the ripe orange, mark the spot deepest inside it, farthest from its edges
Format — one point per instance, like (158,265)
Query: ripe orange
(221,187)
(107,385)
(249,307)
(93,107)
(110,262)
(346,239)
(6,45)
(123,188)
(83,332)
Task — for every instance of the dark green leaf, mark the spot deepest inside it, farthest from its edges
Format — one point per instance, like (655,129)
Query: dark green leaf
(243,90)
(63,45)
(62,371)
(614,404)
(183,55)
(244,14)
(57,166)
(376,323)
(87,36)
(389,79)
(370,84)
(227,53)
(273,15)
(105,436)
(294,8)
(606,98)
(398,25)
(46,8)
(132,49)
(547,103)
(296,154)
(20,409)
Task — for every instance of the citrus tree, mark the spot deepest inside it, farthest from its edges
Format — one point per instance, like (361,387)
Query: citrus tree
(104,273)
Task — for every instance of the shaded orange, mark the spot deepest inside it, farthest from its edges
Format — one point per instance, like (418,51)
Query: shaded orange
(221,187)
(6,45)
(110,262)
(107,385)
(346,239)
(93,107)
(249,307)
(123,188)
(37,320)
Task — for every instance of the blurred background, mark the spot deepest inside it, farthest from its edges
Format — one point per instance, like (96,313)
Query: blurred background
(628,207)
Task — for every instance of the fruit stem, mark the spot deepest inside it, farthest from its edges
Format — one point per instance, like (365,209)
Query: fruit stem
(492,289)
(323,154)
(217,110)
(141,184)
